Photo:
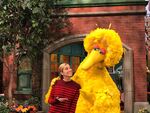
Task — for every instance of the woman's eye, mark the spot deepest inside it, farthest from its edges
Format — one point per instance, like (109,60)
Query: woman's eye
(66,68)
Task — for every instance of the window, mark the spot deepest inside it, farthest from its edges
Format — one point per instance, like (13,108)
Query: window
(116,73)
(75,63)
(72,54)
(24,80)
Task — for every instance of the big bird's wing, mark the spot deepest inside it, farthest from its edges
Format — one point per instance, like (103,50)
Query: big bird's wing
(50,88)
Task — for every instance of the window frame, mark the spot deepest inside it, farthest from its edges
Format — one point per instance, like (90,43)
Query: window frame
(24,71)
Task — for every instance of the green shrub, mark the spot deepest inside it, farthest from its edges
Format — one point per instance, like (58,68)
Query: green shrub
(4,108)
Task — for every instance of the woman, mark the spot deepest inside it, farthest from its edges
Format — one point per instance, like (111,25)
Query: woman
(64,93)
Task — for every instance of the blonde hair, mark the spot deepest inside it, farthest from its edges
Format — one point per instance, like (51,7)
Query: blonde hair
(61,67)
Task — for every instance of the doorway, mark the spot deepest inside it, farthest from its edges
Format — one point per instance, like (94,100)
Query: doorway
(127,79)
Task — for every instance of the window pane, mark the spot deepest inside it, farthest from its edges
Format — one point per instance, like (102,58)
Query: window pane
(54,67)
(24,81)
(64,58)
(75,63)
(54,58)
(54,62)
(25,65)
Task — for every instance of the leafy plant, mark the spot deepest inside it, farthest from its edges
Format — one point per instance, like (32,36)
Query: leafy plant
(29,24)
(26,27)
(4,108)
(22,106)
(33,101)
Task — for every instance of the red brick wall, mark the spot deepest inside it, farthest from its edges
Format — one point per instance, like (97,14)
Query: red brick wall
(132,31)
(6,75)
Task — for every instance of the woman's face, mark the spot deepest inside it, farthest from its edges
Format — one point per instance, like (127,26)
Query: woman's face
(67,71)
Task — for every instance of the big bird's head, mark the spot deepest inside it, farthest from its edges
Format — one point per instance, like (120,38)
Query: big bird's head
(104,48)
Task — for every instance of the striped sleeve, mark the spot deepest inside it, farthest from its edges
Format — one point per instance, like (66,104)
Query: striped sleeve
(52,100)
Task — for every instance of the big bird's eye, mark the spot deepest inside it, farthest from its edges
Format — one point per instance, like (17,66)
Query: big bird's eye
(101,51)
(97,49)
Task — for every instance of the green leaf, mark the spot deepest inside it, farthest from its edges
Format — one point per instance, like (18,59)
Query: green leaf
(5,8)
(23,6)
(1,22)
(29,5)
(36,10)
(27,22)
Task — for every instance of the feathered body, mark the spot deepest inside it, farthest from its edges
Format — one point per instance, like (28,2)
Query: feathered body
(99,93)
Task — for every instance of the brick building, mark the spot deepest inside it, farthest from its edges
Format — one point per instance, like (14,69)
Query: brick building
(127,18)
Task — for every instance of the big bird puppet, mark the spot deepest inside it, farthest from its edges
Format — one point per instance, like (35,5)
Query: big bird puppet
(98,93)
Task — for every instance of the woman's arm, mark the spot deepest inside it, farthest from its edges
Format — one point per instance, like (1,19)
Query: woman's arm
(52,99)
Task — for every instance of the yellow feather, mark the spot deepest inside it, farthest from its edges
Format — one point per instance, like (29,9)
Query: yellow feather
(99,93)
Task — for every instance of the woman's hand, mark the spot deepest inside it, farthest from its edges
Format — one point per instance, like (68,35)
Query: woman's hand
(61,99)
